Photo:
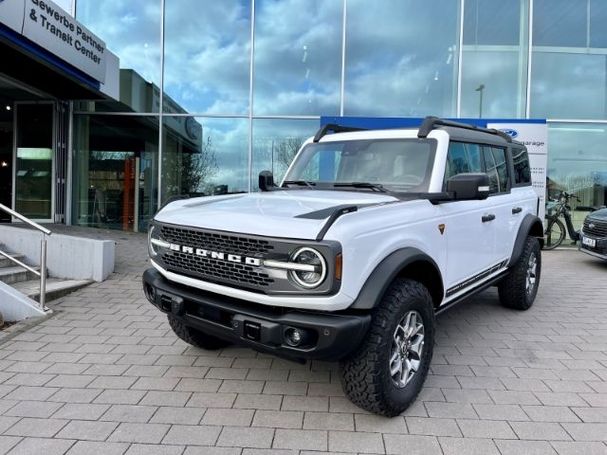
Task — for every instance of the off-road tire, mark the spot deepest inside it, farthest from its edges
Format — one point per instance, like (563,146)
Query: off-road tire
(365,375)
(512,289)
(196,337)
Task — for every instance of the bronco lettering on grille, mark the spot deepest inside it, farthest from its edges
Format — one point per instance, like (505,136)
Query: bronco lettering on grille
(216,255)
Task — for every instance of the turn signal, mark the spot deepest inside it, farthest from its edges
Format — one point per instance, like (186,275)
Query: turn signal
(338,266)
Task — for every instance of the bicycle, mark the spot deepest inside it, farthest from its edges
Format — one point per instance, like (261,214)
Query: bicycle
(555,232)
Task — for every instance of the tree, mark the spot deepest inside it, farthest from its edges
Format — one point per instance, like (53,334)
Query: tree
(284,152)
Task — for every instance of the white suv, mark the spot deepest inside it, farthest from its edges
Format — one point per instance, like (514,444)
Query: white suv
(368,237)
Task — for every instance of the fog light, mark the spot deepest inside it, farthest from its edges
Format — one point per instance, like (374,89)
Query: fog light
(295,337)
(150,292)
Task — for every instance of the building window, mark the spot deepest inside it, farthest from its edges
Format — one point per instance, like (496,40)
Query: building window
(401,58)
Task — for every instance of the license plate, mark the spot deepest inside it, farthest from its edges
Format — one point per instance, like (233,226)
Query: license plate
(589,242)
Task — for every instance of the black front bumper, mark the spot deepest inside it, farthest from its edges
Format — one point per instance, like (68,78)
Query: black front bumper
(328,336)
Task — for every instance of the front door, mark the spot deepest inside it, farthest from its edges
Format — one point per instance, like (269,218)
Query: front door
(34,160)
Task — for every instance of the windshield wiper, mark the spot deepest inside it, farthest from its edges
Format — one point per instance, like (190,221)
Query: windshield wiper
(373,186)
(300,183)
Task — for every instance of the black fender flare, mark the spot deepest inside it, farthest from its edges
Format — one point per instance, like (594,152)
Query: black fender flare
(390,267)
(530,226)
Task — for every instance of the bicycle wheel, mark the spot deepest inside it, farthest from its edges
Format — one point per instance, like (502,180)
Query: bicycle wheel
(554,233)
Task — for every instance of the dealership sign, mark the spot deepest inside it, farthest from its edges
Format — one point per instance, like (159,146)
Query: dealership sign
(49,26)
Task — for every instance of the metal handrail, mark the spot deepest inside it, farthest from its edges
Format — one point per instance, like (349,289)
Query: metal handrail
(25,219)
(42,273)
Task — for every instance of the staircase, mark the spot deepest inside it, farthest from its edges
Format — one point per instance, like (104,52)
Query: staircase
(28,283)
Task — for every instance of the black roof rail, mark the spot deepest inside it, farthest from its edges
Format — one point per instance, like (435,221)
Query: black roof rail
(431,122)
(335,128)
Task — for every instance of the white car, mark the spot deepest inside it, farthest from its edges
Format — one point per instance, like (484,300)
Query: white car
(349,258)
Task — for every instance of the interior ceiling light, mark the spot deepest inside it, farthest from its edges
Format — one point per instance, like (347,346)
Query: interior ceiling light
(4,164)
(8,107)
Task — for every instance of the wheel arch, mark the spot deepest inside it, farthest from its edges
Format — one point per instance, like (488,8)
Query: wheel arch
(405,263)
(530,226)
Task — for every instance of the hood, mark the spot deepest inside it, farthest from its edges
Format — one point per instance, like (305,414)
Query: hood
(291,213)
(598,215)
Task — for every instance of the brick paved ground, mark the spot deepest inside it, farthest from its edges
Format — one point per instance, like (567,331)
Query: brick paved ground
(106,375)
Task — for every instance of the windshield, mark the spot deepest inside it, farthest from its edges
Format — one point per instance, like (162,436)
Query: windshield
(401,165)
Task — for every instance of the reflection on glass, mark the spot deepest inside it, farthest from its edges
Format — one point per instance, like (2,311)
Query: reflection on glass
(131,30)
(494,61)
(577,163)
(207,55)
(204,156)
(115,171)
(401,57)
(560,23)
(34,182)
(275,143)
(297,57)
(568,85)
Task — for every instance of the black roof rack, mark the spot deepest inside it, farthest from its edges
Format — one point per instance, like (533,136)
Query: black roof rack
(430,123)
(335,128)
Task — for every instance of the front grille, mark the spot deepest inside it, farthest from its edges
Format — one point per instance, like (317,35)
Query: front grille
(227,243)
(212,269)
(598,229)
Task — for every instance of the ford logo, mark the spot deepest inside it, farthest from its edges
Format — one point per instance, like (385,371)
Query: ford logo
(509,132)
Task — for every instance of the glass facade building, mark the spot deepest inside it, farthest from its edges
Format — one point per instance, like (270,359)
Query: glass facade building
(213,92)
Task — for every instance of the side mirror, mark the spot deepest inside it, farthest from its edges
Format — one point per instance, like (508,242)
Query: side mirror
(266,181)
(469,186)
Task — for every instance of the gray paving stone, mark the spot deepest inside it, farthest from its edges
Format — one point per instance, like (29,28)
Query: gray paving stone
(158,398)
(192,435)
(7,422)
(265,402)
(411,445)
(180,416)
(36,446)
(579,448)
(587,431)
(451,410)
(81,411)
(493,429)
(129,413)
(120,396)
(467,446)
(296,403)
(551,414)
(349,441)
(278,419)
(380,424)
(300,439)
(87,430)
(540,431)
(93,447)
(211,400)
(514,447)
(231,417)
(7,443)
(40,409)
(329,421)
(148,449)
(36,428)
(246,437)
(144,433)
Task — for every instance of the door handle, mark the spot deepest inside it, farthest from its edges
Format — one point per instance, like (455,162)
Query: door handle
(516,210)
(488,217)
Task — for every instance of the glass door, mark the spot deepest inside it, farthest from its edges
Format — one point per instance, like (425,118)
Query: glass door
(33,160)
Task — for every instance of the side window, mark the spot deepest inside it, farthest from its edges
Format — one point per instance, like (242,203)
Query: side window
(497,169)
(462,157)
(522,169)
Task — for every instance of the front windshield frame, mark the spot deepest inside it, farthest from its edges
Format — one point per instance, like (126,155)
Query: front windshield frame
(296,172)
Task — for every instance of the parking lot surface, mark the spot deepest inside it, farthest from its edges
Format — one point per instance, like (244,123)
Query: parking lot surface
(105,375)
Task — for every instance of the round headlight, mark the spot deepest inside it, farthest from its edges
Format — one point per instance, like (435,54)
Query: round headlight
(313,275)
